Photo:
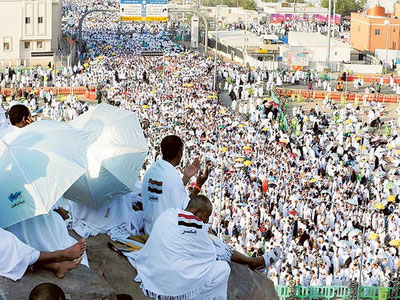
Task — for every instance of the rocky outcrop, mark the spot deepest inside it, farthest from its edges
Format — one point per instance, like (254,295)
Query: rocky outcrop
(118,278)
(81,283)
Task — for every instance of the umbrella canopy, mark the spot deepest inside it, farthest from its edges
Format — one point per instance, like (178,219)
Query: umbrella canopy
(354,233)
(224,149)
(394,243)
(391,198)
(38,163)
(247,163)
(116,153)
(313,180)
(343,244)
(373,236)
(379,206)
(389,185)
(247,147)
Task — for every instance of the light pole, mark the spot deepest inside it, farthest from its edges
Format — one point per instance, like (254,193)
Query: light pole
(328,57)
(361,263)
(334,17)
(216,50)
(386,22)
(245,42)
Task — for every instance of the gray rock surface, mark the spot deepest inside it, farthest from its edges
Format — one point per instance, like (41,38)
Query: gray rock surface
(81,283)
(244,284)
(118,278)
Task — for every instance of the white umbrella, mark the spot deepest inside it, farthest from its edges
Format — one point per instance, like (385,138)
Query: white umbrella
(343,244)
(38,163)
(116,153)
(354,233)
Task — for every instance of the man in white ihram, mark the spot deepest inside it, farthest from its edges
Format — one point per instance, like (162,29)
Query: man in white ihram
(162,191)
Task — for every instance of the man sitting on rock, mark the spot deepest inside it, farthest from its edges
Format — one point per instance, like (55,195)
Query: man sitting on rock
(180,261)
(16,257)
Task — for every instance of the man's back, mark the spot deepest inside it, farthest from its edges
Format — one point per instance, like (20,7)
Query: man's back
(162,189)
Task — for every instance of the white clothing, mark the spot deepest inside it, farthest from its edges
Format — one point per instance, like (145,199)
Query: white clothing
(117,215)
(162,188)
(46,233)
(15,256)
(180,247)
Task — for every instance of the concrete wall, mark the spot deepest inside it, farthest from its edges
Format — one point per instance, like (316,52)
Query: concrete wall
(318,55)
(362,69)
(392,54)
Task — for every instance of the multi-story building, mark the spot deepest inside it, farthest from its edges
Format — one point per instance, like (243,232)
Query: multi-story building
(29,31)
(375,29)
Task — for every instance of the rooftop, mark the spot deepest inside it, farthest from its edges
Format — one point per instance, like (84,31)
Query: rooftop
(313,39)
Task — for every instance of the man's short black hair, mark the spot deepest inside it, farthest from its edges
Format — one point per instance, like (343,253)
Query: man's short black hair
(170,146)
(47,291)
(17,113)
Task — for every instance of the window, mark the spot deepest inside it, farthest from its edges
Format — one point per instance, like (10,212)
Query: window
(359,28)
(27,45)
(39,45)
(6,46)
(377,32)
(27,20)
(40,20)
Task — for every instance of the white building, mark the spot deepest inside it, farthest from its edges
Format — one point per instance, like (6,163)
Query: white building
(29,31)
(315,47)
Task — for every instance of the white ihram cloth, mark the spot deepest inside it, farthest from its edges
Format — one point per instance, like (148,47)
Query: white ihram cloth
(15,256)
(4,123)
(46,233)
(162,188)
(117,218)
(178,260)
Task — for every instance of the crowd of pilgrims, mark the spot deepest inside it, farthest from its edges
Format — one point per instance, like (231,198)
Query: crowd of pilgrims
(310,187)
(282,29)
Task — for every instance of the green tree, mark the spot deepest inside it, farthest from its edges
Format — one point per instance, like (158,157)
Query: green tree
(245,4)
(297,1)
(345,7)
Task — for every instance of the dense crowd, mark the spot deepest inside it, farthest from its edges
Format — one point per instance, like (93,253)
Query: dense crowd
(309,184)
(282,29)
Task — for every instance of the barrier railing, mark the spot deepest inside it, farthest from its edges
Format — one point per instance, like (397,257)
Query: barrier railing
(336,292)
(294,94)
(56,91)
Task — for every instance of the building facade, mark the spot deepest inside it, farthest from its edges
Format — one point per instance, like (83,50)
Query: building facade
(29,31)
(375,29)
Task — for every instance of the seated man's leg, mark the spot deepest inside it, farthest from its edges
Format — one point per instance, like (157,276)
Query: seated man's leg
(218,287)
(60,269)
(268,259)
(68,254)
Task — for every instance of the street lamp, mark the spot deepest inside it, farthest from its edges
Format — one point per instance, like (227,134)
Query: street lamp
(216,50)
(334,17)
(386,22)
(328,57)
